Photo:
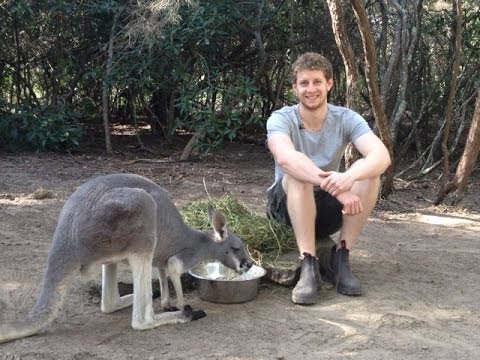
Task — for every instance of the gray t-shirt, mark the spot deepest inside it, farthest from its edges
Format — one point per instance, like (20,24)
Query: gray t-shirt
(325,147)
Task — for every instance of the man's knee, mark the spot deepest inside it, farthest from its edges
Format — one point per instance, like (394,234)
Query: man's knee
(292,186)
(367,186)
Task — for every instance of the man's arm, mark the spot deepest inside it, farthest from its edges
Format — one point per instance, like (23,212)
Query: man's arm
(299,166)
(375,161)
(293,162)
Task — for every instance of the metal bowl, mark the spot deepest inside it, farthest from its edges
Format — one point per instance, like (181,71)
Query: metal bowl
(220,284)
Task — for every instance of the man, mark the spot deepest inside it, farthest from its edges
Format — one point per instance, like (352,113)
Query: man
(307,141)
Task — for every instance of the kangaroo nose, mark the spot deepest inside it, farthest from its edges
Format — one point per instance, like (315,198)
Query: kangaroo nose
(246,263)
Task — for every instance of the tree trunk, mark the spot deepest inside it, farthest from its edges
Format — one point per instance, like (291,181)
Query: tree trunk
(408,45)
(467,161)
(371,76)
(189,147)
(451,97)
(387,76)
(18,62)
(106,87)
(351,72)
(132,98)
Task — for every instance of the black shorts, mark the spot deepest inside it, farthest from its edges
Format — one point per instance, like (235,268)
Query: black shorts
(329,210)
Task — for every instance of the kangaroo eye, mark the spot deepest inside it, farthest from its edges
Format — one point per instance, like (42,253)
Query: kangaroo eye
(235,249)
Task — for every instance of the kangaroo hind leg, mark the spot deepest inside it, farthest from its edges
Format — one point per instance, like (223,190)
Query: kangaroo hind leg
(130,224)
(111,299)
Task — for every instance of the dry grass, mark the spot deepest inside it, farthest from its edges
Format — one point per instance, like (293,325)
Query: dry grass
(265,239)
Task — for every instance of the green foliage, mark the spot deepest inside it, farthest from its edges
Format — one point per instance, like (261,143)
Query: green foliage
(38,129)
(265,239)
(471,34)
(222,68)
(217,112)
(214,97)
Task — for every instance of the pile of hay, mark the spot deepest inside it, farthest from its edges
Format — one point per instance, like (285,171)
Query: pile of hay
(265,239)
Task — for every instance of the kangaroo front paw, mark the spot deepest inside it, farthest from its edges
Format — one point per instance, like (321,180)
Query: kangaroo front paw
(193,314)
(198,314)
(170,309)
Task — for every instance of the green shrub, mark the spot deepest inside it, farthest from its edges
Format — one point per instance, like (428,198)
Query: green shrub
(38,129)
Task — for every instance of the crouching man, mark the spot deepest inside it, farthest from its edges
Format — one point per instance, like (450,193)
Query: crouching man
(309,193)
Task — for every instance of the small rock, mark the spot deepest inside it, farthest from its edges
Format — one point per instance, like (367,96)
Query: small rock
(286,276)
(41,194)
(7,197)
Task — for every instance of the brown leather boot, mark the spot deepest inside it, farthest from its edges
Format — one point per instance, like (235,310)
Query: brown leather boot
(307,290)
(339,274)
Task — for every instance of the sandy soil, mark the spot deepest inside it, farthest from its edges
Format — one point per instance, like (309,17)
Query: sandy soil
(418,266)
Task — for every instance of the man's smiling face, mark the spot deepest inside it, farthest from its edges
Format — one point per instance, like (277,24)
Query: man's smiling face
(312,88)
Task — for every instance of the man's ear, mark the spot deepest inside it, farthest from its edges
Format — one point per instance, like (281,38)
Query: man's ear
(330,83)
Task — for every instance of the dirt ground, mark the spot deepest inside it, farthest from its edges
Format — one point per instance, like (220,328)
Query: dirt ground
(418,265)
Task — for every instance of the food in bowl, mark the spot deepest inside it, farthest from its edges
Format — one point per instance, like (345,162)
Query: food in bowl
(220,284)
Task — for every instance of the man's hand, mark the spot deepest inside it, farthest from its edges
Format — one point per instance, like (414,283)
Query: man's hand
(336,183)
(323,175)
(352,204)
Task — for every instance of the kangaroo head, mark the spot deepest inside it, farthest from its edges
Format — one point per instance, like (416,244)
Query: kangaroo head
(231,250)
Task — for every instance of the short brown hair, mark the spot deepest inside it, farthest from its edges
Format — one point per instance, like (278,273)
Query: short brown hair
(312,61)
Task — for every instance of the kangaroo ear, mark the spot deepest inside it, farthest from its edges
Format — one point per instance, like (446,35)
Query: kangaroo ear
(218,222)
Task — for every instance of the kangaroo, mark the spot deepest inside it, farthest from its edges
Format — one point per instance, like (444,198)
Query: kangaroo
(126,217)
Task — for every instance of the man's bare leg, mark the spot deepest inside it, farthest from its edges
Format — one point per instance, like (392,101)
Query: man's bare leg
(352,225)
(302,211)
(339,270)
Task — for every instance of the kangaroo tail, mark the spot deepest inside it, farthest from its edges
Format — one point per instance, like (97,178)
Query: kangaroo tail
(19,329)
(44,312)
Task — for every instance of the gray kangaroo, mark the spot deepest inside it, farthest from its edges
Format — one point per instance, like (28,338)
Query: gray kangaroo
(126,217)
